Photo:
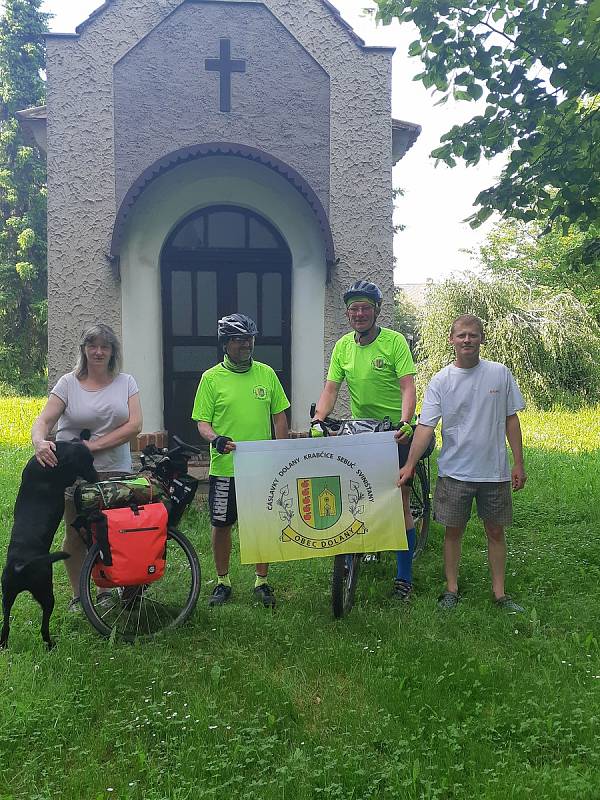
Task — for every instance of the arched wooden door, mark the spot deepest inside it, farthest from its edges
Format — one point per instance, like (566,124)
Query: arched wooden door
(218,261)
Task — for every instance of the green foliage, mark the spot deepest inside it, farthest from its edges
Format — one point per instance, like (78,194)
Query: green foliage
(406,316)
(548,340)
(22,199)
(556,260)
(536,65)
(390,702)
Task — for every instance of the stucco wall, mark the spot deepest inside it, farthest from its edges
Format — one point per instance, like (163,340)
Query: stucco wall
(81,172)
(165,99)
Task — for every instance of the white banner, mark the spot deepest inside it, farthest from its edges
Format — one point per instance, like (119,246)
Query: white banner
(301,498)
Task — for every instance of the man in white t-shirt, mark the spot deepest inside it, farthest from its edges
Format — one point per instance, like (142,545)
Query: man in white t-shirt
(477,401)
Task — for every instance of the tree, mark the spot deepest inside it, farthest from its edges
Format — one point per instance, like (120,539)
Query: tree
(406,317)
(23,282)
(536,63)
(548,339)
(557,260)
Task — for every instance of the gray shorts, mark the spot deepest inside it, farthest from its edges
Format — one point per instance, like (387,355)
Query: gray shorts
(453,500)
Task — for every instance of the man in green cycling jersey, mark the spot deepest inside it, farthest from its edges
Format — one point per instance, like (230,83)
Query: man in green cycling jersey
(236,400)
(378,368)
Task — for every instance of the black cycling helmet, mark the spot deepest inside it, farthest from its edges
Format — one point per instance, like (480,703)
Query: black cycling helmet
(363,289)
(235,325)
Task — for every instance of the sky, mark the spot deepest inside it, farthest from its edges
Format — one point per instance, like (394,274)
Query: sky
(437,199)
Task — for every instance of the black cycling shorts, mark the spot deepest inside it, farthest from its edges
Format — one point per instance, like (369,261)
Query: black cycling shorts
(402,456)
(221,501)
(403,453)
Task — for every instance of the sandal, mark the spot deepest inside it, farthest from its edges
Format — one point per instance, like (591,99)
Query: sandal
(448,600)
(74,606)
(506,603)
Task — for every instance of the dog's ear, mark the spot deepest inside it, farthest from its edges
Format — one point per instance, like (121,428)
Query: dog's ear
(89,473)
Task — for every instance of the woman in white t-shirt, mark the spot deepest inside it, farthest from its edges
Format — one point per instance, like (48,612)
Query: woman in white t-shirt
(98,397)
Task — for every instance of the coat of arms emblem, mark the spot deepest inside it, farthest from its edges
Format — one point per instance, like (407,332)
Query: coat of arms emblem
(319,501)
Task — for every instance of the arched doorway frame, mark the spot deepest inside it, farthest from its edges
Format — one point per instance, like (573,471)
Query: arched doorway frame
(203,279)
(159,209)
(229,150)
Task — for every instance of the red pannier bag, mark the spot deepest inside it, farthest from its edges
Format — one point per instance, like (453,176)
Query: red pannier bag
(133,544)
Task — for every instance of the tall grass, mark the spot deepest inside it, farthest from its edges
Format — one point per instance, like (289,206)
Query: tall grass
(16,418)
(390,702)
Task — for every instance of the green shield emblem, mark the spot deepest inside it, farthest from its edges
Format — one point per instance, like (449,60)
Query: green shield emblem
(320,501)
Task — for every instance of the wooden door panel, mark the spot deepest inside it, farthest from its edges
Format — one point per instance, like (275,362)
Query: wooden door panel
(216,263)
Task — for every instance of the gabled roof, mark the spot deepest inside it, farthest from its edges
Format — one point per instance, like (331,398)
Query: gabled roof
(34,121)
(404,135)
(326,3)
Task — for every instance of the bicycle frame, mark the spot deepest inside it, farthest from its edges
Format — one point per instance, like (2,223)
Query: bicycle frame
(346,567)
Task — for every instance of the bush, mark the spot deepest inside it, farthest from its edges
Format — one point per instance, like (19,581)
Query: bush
(548,340)
(407,317)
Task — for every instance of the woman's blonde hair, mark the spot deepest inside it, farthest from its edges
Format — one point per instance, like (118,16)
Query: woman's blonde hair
(106,333)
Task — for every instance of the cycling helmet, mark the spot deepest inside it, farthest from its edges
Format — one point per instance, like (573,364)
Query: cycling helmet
(363,289)
(235,325)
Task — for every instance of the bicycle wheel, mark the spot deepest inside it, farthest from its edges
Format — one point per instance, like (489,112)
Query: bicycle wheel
(133,612)
(343,583)
(420,507)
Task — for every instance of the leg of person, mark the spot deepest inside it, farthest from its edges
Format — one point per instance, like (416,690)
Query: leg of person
(74,545)
(496,556)
(262,590)
(223,514)
(452,552)
(494,506)
(404,558)
(452,508)
(403,581)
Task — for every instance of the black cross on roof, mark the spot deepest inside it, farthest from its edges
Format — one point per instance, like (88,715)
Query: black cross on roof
(225,66)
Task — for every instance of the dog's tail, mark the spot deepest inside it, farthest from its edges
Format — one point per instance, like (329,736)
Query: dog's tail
(48,558)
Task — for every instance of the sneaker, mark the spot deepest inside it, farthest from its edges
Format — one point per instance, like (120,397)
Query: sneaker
(448,600)
(74,606)
(402,590)
(506,603)
(265,594)
(220,595)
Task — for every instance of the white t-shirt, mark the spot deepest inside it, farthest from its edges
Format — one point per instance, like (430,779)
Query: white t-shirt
(101,411)
(473,405)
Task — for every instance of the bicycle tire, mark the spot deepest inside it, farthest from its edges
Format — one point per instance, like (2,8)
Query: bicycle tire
(343,583)
(140,612)
(420,507)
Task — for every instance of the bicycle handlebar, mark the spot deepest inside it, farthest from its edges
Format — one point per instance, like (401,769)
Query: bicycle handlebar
(329,423)
(180,447)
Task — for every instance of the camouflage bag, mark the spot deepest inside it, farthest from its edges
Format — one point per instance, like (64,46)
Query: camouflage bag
(118,493)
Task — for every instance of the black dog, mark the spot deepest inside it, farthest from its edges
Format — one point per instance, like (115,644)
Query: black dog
(39,509)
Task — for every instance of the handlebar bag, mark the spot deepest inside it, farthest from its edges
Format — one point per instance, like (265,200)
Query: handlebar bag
(353,426)
(117,493)
(133,544)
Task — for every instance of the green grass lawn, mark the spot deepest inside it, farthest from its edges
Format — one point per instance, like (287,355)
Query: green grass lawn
(388,703)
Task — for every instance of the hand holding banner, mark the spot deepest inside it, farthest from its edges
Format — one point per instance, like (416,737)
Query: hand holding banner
(301,498)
